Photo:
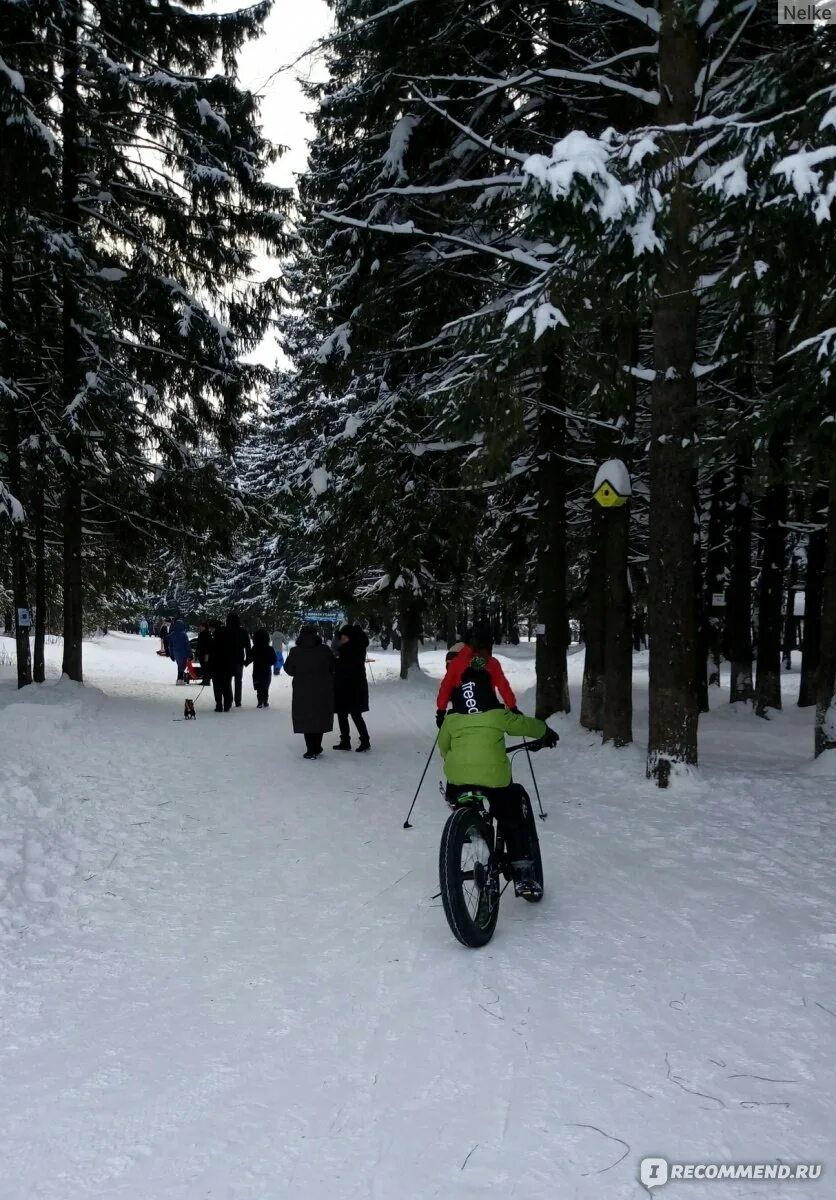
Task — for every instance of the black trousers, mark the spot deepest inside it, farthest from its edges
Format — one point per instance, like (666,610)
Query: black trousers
(238,678)
(345,729)
(222,687)
(262,689)
(506,804)
(313,743)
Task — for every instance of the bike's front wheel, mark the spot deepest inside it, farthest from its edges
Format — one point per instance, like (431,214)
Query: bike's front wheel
(469,881)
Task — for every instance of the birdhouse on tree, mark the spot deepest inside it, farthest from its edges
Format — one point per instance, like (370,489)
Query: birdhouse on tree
(612,486)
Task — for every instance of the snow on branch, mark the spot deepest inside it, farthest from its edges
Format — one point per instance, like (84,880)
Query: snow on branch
(629,8)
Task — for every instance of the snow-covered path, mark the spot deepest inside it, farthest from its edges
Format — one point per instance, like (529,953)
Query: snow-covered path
(224,975)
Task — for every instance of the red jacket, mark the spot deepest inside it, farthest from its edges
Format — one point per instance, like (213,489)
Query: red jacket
(458,667)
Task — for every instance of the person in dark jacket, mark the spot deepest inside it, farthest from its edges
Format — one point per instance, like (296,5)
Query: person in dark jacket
(263,659)
(179,650)
(220,666)
(351,687)
(203,650)
(239,651)
(311,667)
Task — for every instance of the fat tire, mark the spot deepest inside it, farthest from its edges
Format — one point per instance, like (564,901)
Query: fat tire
(453,838)
(534,841)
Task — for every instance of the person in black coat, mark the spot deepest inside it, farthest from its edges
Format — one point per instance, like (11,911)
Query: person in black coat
(263,658)
(311,666)
(220,667)
(239,651)
(351,687)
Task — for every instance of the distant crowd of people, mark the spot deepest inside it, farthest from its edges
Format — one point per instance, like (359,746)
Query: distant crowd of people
(328,681)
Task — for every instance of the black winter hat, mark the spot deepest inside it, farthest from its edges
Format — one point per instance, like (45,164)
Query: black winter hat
(474,694)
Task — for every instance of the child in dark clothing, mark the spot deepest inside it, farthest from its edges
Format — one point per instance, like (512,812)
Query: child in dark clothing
(263,659)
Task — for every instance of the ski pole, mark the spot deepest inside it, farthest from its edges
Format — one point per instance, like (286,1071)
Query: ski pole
(406,823)
(543,815)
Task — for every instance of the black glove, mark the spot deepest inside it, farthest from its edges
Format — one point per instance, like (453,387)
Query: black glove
(550,738)
(439,717)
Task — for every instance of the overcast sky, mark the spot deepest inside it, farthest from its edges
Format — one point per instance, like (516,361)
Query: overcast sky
(293,27)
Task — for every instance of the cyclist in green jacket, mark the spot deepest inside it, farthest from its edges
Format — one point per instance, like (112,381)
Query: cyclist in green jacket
(472,744)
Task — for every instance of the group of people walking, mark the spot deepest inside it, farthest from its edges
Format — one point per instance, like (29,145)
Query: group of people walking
(327,683)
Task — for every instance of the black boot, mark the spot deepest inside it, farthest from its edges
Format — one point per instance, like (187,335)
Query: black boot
(343,744)
(363,747)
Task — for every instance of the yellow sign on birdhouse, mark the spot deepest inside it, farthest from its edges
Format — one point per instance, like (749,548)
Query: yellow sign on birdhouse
(608,497)
(612,487)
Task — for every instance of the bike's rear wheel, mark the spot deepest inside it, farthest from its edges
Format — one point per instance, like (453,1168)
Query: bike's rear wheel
(534,843)
(469,882)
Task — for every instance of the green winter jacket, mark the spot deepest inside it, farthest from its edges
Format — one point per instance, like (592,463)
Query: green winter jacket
(473,745)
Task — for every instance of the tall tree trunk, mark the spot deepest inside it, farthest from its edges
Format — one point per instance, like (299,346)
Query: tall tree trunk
(617,706)
(409,614)
(739,594)
(39,666)
(790,636)
(701,644)
(771,584)
(825,735)
(714,604)
(20,590)
(595,624)
(550,655)
(672,614)
(813,592)
(73,506)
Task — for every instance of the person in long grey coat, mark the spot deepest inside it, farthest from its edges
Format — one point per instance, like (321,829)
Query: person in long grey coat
(311,666)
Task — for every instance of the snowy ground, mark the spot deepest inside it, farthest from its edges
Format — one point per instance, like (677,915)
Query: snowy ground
(224,975)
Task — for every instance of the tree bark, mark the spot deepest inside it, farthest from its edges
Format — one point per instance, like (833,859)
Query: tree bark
(771,583)
(813,591)
(825,733)
(20,590)
(39,665)
(617,701)
(73,505)
(739,595)
(550,655)
(715,575)
(672,614)
(595,624)
(410,627)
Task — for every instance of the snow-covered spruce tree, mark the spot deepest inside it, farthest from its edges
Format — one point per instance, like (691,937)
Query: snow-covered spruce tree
(162,204)
(381,159)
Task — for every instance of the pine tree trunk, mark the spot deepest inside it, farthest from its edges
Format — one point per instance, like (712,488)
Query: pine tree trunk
(715,576)
(39,666)
(20,591)
(771,584)
(550,655)
(813,591)
(595,624)
(739,594)
(73,507)
(617,706)
(701,645)
(411,627)
(790,640)
(825,735)
(672,614)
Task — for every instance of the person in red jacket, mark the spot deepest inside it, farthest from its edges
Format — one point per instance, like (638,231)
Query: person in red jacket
(474,656)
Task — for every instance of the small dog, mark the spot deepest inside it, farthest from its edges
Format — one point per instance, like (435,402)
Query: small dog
(189,713)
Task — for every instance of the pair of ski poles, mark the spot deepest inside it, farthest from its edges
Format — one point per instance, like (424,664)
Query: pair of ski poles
(407,824)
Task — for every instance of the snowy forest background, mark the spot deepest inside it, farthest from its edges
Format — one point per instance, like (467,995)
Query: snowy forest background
(532,236)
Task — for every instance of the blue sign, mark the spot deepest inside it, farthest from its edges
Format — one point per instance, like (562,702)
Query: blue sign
(323,616)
